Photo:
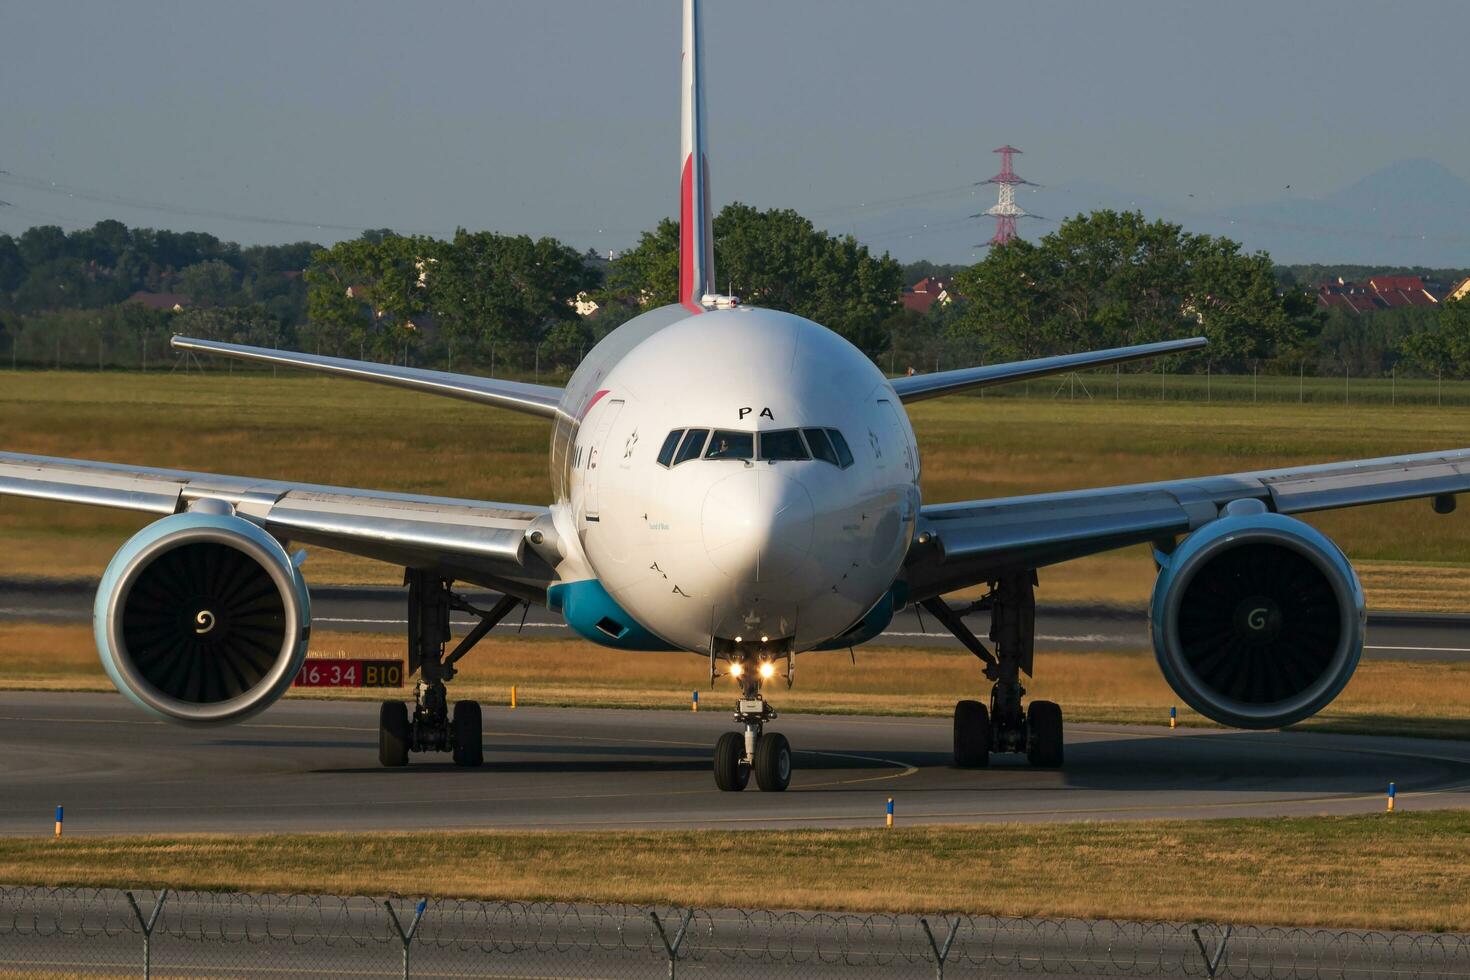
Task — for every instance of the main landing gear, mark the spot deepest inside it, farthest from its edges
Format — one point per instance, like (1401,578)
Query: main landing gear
(738,754)
(1005,726)
(432,727)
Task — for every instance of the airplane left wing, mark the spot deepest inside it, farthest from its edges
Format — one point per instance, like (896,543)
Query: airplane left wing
(518,396)
(961,544)
(476,540)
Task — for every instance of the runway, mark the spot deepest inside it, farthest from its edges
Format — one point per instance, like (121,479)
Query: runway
(311,765)
(1391,635)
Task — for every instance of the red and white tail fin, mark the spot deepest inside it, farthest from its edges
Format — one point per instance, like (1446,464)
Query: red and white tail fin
(696,228)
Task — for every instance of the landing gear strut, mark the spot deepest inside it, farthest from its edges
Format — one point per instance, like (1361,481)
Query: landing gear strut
(431,727)
(738,754)
(1006,726)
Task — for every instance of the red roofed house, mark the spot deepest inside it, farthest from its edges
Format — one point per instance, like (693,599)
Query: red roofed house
(1402,290)
(160,301)
(1378,293)
(925,293)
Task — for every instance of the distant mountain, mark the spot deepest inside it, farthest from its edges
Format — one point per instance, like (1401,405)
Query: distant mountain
(1415,212)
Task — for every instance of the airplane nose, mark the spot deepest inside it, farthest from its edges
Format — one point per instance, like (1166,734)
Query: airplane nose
(757,525)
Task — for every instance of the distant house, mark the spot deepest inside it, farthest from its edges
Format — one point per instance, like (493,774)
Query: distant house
(161,301)
(925,293)
(584,304)
(1378,293)
(1460,290)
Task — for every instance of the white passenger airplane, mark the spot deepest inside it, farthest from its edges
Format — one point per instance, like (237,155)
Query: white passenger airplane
(742,484)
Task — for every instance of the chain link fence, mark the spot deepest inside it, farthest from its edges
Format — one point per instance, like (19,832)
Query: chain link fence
(89,932)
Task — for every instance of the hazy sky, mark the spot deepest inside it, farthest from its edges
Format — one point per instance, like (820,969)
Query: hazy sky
(560,117)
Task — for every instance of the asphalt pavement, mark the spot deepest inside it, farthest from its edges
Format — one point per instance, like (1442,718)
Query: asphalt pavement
(312,765)
(1391,635)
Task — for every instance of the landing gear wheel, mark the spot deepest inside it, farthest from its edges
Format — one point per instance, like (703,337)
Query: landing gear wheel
(393,734)
(773,762)
(971,735)
(731,773)
(468,750)
(1044,735)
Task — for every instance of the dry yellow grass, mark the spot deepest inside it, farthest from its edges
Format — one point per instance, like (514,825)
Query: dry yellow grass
(1384,697)
(1405,871)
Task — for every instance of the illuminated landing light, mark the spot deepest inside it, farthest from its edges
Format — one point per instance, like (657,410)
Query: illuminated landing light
(765,639)
(736,669)
(768,670)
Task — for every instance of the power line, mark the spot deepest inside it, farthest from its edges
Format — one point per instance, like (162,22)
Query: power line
(44,186)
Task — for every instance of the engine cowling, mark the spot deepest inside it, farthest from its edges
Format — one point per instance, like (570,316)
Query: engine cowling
(1257,619)
(202,618)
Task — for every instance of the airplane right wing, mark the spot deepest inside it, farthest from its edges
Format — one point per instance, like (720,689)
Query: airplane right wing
(917,387)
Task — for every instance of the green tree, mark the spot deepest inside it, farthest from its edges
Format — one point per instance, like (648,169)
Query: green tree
(648,275)
(1113,278)
(211,283)
(251,325)
(492,289)
(775,259)
(42,244)
(1444,346)
(372,296)
(12,266)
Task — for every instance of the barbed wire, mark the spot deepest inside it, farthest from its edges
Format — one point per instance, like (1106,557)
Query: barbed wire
(207,929)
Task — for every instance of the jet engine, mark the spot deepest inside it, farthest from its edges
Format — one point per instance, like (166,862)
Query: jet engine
(1257,619)
(202,618)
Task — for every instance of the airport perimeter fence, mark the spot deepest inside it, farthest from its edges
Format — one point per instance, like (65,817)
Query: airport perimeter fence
(91,932)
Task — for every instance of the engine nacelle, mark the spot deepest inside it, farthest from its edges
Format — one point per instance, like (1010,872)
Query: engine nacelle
(1257,619)
(202,619)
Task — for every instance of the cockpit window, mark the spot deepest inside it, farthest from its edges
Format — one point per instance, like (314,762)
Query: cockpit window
(693,443)
(783,444)
(726,444)
(844,455)
(666,452)
(821,445)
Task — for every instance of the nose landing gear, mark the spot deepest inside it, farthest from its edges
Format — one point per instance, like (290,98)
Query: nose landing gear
(739,754)
(1006,726)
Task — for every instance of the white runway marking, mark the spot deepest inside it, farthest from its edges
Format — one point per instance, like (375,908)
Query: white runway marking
(1078,638)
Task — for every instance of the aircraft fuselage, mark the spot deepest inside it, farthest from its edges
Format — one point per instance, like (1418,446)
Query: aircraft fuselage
(736,479)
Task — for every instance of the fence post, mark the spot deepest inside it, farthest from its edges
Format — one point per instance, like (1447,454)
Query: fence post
(941,952)
(406,937)
(672,948)
(147,926)
(1212,963)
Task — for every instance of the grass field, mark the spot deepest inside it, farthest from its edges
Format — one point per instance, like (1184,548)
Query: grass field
(327,431)
(1397,698)
(1400,871)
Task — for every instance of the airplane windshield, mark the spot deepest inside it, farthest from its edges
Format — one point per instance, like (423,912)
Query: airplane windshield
(821,445)
(671,442)
(693,443)
(844,455)
(726,444)
(782,444)
(827,445)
